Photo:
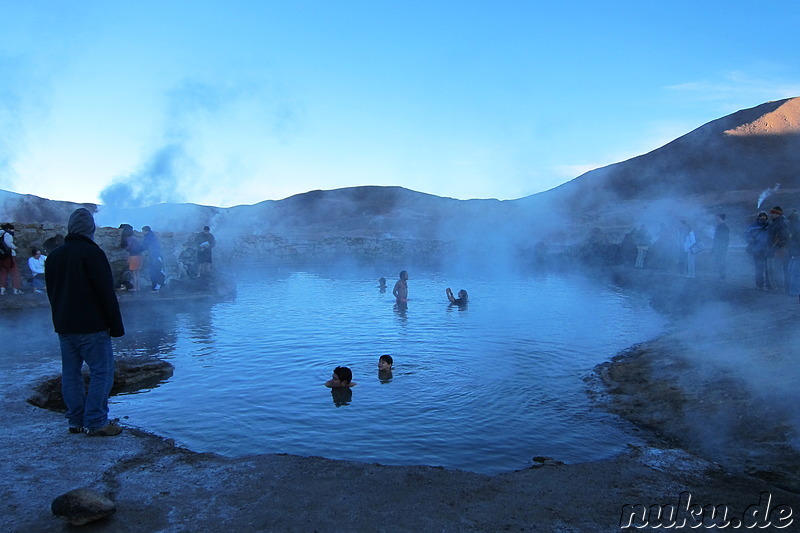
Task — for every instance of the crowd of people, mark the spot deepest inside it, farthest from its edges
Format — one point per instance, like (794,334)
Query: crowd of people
(80,287)
(144,255)
(773,245)
(773,241)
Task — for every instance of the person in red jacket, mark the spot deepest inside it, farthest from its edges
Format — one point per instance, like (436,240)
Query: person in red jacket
(86,315)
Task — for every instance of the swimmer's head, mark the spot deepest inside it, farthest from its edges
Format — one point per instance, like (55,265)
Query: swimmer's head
(342,376)
(463,295)
(403,274)
(385,362)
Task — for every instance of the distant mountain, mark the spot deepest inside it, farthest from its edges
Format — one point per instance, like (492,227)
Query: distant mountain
(736,165)
(727,165)
(27,208)
(752,149)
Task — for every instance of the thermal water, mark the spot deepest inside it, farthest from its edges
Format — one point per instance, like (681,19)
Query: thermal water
(483,387)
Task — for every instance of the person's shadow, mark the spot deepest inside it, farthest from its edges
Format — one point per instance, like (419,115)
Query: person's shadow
(341,396)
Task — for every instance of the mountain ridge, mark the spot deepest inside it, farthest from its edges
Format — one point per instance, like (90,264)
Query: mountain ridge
(723,165)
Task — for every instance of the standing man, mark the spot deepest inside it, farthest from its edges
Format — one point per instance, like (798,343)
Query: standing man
(722,238)
(155,264)
(642,240)
(689,240)
(400,290)
(205,242)
(757,246)
(86,315)
(794,252)
(777,256)
(8,265)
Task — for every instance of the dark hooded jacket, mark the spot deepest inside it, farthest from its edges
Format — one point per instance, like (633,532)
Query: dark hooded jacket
(757,238)
(80,285)
(778,232)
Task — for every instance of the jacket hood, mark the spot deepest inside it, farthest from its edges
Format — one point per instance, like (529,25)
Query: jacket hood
(81,222)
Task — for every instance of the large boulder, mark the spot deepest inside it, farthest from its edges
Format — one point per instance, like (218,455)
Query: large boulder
(130,374)
(81,506)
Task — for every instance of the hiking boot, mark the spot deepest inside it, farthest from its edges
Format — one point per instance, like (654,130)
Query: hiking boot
(111,430)
(75,429)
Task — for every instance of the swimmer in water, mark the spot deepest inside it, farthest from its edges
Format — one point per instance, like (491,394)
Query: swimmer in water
(385,368)
(341,377)
(400,290)
(462,297)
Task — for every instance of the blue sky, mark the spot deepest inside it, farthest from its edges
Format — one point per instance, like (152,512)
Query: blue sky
(235,102)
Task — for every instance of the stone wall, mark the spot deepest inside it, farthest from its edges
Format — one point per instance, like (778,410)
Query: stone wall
(243,251)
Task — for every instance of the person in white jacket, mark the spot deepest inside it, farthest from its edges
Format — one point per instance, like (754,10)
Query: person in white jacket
(36,266)
(689,240)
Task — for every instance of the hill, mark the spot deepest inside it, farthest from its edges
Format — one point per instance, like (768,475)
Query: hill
(731,165)
(726,165)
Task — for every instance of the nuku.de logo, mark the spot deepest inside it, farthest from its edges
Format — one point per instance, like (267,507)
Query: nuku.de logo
(686,514)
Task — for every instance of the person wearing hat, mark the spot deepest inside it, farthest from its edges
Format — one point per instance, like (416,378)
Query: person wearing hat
(86,315)
(777,256)
(719,249)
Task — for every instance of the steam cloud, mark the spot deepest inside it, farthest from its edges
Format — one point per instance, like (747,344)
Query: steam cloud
(766,193)
(156,182)
(9,125)
(180,166)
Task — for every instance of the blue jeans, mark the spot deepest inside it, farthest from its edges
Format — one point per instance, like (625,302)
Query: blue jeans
(88,410)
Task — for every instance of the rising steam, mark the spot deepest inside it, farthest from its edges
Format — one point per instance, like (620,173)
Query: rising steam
(766,193)
(154,183)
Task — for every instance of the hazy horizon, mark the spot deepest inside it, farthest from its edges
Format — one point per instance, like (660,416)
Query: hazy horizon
(143,103)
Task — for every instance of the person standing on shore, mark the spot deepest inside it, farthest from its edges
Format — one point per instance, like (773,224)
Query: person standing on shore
(689,240)
(205,242)
(777,256)
(642,240)
(757,246)
(794,253)
(719,250)
(155,263)
(8,265)
(86,315)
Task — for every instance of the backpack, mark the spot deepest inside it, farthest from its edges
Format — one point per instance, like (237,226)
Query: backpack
(5,251)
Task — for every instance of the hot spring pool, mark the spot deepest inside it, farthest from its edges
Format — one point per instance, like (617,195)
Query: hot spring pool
(483,388)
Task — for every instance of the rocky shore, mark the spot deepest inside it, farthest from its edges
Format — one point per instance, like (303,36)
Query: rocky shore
(712,397)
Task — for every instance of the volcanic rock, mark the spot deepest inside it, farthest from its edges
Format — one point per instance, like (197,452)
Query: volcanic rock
(81,506)
(130,374)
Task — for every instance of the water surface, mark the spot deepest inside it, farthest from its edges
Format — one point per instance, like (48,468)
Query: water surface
(482,388)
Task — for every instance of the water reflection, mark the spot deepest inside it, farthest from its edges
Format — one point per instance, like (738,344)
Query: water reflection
(342,396)
(401,310)
(201,327)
